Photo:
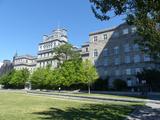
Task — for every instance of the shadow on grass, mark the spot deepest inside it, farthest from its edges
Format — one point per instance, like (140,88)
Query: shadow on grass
(87,112)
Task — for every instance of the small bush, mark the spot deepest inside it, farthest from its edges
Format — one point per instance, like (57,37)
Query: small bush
(119,84)
(101,84)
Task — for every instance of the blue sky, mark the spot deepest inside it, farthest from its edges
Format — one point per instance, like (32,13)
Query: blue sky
(24,22)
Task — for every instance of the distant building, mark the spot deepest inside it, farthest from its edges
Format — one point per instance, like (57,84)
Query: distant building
(115,54)
(85,51)
(45,48)
(6,67)
(24,62)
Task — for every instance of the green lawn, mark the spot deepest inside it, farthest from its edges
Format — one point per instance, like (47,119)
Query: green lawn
(21,106)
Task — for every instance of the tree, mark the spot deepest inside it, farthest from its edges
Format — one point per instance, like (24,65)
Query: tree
(144,14)
(19,78)
(88,74)
(65,52)
(54,78)
(6,78)
(152,77)
(70,72)
(38,78)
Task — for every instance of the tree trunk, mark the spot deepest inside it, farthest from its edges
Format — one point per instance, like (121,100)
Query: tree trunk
(89,89)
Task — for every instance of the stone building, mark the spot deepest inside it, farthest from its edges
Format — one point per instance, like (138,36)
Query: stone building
(115,54)
(45,48)
(6,67)
(85,51)
(24,62)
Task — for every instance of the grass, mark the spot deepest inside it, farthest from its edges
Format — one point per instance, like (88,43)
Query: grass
(21,106)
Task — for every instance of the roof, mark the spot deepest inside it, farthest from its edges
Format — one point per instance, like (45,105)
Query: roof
(26,56)
(102,31)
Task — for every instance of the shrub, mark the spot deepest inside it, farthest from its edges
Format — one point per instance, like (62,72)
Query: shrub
(101,84)
(119,84)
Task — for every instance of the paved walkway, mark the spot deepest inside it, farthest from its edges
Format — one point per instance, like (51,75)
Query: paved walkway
(149,112)
(95,98)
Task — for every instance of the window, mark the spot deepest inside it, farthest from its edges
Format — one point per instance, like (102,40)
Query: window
(106,61)
(129,82)
(147,58)
(126,48)
(105,52)
(95,38)
(134,29)
(136,47)
(117,61)
(125,31)
(117,72)
(106,73)
(105,36)
(128,71)
(87,49)
(127,59)
(137,70)
(115,34)
(95,53)
(116,50)
(54,44)
(137,58)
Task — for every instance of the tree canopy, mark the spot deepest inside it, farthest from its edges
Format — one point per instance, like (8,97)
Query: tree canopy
(152,78)
(15,79)
(65,52)
(89,74)
(144,14)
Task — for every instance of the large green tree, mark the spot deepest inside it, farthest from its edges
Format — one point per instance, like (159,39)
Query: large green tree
(71,72)
(65,52)
(38,78)
(88,74)
(15,79)
(6,78)
(144,14)
(53,78)
(19,78)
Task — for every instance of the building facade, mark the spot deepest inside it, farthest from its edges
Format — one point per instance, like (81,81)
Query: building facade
(45,52)
(24,62)
(115,54)
(85,51)
(6,67)
(45,48)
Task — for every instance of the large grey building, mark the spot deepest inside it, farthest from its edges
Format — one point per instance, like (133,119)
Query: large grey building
(115,54)
(24,62)
(45,52)
(6,67)
(45,48)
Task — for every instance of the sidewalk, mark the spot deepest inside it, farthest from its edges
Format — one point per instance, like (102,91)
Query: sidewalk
(149,112)
(95,98)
